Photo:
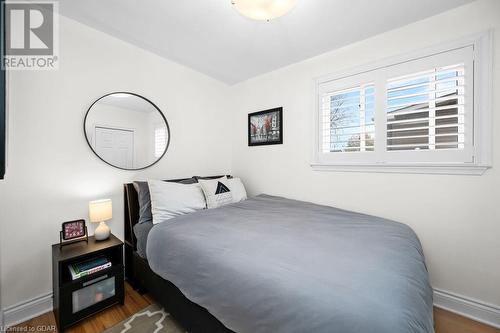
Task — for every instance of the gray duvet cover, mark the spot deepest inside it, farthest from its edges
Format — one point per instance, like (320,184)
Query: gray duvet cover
(270,264)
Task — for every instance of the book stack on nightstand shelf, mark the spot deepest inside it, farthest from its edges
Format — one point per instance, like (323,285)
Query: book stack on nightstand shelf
(87,267)
(87,278)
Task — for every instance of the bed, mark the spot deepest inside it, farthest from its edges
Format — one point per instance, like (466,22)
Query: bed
(270,264)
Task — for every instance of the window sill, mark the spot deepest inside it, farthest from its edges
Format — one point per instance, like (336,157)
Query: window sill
(439,169)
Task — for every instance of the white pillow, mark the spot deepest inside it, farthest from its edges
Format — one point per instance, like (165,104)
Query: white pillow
(217,191)
(238,189)
(169,199)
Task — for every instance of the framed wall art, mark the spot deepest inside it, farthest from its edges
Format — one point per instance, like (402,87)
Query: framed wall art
(265,127)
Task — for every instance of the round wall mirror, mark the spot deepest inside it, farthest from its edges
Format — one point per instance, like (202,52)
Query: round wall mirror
(126,131)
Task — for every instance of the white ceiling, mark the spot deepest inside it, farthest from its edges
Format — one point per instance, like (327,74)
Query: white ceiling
(127,101)
(213,38)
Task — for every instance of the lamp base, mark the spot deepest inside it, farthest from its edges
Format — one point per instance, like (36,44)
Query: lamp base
(102,231)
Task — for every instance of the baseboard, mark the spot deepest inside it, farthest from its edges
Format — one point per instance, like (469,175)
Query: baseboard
(26,310)
(467,307)
(476,310)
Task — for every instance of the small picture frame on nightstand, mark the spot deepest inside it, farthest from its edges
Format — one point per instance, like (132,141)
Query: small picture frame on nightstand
(73,231)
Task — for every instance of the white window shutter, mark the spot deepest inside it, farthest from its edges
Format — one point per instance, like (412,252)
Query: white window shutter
(428,110)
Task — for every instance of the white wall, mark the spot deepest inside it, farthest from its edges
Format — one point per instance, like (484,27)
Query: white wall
(52,173)
(456,217)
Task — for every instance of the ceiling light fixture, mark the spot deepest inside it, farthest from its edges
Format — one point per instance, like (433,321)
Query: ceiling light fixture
(263,9)
(120,95)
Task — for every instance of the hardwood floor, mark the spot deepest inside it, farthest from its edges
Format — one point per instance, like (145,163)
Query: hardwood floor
(97,323)
(446,322)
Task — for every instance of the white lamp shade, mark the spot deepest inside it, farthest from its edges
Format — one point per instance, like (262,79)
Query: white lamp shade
(100,210)
(264,9)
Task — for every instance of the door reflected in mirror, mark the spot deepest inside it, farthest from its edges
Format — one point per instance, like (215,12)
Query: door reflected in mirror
(127,131)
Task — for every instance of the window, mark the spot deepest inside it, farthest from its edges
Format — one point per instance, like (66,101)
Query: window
(426,113)
(160,141)
(426,110)
(348,120)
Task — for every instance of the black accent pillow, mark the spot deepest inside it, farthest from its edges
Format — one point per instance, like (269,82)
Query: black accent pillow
(211,177)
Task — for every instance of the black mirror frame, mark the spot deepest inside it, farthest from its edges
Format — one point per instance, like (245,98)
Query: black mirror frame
(147,100)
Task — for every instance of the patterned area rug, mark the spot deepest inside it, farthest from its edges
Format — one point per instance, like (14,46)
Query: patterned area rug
(149,320)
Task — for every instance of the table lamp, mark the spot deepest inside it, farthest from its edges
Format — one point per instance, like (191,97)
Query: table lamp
(101,211)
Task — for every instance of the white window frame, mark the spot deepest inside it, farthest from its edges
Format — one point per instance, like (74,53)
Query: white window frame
(159,153)
(405,162)
(338,85)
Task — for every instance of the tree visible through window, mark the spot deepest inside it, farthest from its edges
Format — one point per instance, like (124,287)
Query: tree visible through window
(427,112)
(349,120)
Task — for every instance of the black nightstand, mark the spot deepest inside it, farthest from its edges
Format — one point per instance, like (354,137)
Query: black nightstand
(77,299)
